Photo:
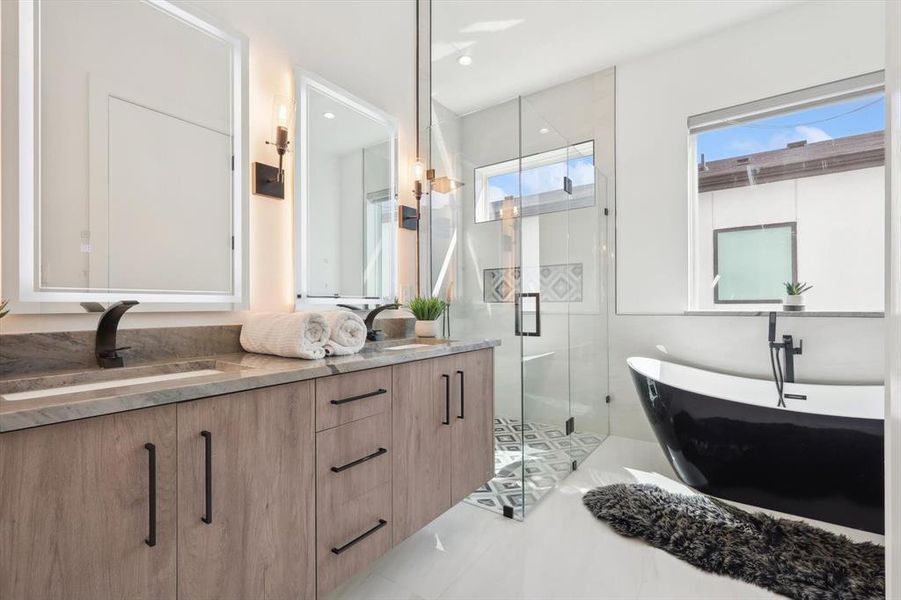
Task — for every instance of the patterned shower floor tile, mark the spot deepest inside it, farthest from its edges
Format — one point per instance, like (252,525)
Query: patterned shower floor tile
(530,459)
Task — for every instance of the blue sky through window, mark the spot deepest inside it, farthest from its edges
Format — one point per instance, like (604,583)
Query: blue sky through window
(542,179)
(850,117)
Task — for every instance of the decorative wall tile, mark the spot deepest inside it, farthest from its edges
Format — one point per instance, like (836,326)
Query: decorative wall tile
(558,283)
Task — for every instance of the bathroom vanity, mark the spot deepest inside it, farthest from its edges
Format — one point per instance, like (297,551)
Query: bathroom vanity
(260,477)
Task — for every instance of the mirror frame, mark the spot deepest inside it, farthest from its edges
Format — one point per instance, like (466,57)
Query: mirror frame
(29,167)
(305,82)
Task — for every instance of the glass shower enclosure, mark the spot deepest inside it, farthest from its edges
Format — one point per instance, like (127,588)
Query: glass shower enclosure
(515,240)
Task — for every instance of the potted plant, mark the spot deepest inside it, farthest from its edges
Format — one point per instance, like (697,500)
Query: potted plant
(794,295)
(3,310)
(427,311)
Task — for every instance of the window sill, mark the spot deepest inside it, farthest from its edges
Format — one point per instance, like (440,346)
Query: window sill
(786,313)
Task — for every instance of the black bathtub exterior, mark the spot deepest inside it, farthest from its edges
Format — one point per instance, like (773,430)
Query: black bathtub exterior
(817,466)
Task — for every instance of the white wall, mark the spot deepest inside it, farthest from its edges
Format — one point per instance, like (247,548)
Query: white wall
(839,218)
(373,58)
(805,45)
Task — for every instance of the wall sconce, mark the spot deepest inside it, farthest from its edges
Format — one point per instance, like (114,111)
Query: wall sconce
(268,180)
(418,172)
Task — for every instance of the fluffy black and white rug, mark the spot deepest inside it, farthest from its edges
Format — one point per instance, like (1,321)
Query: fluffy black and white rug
(784,556)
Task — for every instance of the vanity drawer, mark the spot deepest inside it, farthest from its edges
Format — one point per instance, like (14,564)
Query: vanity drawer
(344,398)
(353,498)
(352,539)
(351,460)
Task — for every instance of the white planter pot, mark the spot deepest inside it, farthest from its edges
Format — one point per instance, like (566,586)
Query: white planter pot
(427,329)
(793,303)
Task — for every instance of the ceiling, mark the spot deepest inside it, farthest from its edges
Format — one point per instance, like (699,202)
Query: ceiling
(522,46)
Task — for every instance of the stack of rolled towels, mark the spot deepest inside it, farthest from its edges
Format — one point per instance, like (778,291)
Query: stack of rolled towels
(304,334)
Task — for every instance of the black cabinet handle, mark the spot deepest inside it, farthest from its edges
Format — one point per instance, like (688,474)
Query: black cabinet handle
(150,540)
(378,392)
(360,461)
(360,538)
(208,476)
(446,420)
(462,395)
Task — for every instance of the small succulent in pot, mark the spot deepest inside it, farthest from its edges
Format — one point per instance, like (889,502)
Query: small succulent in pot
(427,311)
(794,295)
(3,310)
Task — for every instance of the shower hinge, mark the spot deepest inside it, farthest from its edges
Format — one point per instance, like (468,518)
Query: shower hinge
(575,465)
(508,511)
(607,399)
(570,425)
(233,242)
(606,212)
(567,185)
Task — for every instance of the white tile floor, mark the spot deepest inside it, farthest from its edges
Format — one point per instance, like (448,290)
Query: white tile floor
(560,551)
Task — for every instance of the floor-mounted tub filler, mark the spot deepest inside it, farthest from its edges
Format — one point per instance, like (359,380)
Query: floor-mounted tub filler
(820,456)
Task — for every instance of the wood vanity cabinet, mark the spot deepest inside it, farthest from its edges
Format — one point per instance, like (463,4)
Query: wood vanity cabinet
(75,508)
(279,492)
(443,435)
(246,504)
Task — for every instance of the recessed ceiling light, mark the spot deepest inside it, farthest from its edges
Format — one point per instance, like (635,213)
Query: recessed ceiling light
(465,60)
(543,130)
(328,115)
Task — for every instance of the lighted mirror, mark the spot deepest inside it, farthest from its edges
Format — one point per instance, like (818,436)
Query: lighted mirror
(131,155)
(347,218)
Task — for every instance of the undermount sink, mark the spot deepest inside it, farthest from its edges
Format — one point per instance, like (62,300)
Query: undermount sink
(406,346)
(403,344)
(86,381)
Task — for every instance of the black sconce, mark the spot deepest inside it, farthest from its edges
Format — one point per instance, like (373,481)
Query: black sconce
(268,180)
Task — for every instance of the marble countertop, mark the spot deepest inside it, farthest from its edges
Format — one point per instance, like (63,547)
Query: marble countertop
(239,372)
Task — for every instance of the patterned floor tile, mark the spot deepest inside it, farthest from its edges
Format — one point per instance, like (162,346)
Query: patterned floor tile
(530,459)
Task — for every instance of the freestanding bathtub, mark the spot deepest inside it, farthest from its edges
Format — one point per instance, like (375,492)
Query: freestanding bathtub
(819,457)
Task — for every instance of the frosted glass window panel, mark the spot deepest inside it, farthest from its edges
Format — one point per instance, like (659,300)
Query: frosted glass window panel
(169,214)
(751,264)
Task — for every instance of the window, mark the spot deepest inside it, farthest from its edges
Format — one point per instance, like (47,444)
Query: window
(752,262)
(542,181)
(791,188)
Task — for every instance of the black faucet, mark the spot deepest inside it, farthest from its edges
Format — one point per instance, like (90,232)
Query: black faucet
(105,346)
(376,335)
(790,352)
(787,375)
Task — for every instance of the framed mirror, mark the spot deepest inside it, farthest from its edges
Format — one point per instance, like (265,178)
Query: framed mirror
(346,221)
(131,153)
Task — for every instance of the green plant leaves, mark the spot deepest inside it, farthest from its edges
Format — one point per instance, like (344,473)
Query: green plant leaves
(427,308)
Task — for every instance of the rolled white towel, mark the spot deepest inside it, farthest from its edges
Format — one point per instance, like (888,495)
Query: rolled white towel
(300,334)
(348,332)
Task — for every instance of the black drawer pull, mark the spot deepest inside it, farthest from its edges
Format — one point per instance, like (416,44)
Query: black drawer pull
(446,420)
(360,461)
(378,392)
(462,396)
(208,476)
(150,540)
(360,538)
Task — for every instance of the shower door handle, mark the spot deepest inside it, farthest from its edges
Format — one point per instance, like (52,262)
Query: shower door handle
(517,314)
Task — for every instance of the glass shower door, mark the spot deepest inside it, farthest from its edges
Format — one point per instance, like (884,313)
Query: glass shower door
(542,305)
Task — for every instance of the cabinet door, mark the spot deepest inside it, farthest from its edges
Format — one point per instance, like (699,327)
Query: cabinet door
(472,458)
(251,456)
(75,508)
(422,443)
